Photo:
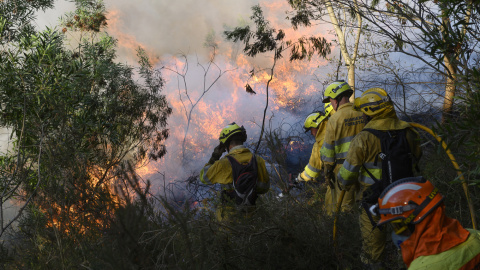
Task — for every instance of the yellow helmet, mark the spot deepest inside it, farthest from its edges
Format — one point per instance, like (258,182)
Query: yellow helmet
(313,120)
(230,130)
(335,89)
(328,108)
(373,102)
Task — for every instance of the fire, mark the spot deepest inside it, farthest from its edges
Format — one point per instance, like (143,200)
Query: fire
(80,215)
(197,120)
(127,41)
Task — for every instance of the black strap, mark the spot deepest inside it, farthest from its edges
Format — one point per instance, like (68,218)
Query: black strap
(419,209)
(369,215)
(370,174)
(234,162)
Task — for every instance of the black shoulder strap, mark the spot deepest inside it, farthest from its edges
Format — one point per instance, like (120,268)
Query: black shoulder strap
(370,174)
(378,134)
(375,132)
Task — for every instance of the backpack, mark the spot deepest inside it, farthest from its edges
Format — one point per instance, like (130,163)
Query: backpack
(396,162)
(244,181)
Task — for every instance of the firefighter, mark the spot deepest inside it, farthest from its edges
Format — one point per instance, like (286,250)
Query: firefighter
(340,130)
(427,237)
(315,124)
(363,164)
(219,170)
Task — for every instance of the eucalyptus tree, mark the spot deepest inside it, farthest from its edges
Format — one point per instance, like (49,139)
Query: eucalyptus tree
(344,19)
(441,34)
(263,38)
(79,119)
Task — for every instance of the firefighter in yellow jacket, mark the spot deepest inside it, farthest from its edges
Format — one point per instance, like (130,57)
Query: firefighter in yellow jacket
(363,155)
(340,130)
(315,123)
(219,170)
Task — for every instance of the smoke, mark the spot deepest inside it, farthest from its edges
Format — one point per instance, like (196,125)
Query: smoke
(174,34)
(171,27)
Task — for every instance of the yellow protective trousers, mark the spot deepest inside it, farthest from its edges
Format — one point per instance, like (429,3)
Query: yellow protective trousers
(373,240)
(332,196)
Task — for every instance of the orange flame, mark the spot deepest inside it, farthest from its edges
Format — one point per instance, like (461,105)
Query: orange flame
(127,41)
(291,90)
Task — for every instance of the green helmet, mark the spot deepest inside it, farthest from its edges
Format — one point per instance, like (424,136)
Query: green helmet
(230,130)
(335,89)
(313,120)
(328,108)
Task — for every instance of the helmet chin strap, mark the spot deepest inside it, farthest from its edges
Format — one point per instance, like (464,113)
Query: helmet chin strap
(336,102)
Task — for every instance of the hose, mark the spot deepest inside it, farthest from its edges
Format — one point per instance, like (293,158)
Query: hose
(457,168)
(455,165)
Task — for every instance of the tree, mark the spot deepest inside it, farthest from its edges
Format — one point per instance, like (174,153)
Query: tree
(307,11)
(436,33)
(79,120)
(265,39)
(189,103)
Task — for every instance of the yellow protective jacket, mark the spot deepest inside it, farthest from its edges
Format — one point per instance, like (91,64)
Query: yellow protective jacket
(366,146)
(340,131)
(220,172)
(464,256)
(315,164)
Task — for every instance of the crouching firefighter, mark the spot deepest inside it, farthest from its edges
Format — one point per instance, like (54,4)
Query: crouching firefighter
(241,173)
(386,150)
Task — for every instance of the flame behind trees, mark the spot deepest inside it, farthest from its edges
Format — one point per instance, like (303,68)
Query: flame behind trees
(343,19)
(267,39)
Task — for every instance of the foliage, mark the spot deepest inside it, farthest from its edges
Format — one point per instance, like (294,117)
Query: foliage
(16,18)
(267,39)
(264,38)
(460,129)
(89,16)
(79,121)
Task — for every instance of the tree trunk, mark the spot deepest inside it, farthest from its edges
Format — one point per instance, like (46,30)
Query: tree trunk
(450,89)
(351,80)
(349,59)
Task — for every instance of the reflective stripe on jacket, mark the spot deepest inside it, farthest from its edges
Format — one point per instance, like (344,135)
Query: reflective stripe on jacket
(463,256)
(220,172)
(340,131)
(315,164)
(365,148)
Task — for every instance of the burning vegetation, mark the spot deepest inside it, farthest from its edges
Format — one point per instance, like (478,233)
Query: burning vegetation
(103,182)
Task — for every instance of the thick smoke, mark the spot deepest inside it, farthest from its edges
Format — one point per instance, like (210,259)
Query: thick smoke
(169,29)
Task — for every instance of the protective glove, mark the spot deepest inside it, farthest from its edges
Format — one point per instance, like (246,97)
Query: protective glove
(330,179)
(296,182)
(217,153)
